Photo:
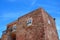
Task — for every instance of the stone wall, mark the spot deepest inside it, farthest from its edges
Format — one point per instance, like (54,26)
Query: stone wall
(36,25)
(34,31)
(49,27)
(42,28)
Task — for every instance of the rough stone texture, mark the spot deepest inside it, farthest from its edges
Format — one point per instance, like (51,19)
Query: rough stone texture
(9,34)
(49,28)
(42,28)
(33,32)
(4,37)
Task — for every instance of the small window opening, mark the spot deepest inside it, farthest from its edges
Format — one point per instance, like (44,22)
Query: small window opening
(48,21)
(29,22)
(14,28)
(13,36)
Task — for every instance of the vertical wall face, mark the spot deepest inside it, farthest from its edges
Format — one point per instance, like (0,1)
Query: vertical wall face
(49,27)
(33,31)
(4,37)
(11,31)
(37,25)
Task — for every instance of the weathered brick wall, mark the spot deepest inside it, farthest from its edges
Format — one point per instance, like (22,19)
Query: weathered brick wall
(33,32)
(42,28)
(9,34)
(49,27)
(4,37)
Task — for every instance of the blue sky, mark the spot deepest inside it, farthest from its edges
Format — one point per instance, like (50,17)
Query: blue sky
(10,10)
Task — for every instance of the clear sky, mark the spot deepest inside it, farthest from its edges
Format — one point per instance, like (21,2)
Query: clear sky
(10,10)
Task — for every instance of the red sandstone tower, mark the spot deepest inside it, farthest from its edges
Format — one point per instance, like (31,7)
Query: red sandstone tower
(37,25)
